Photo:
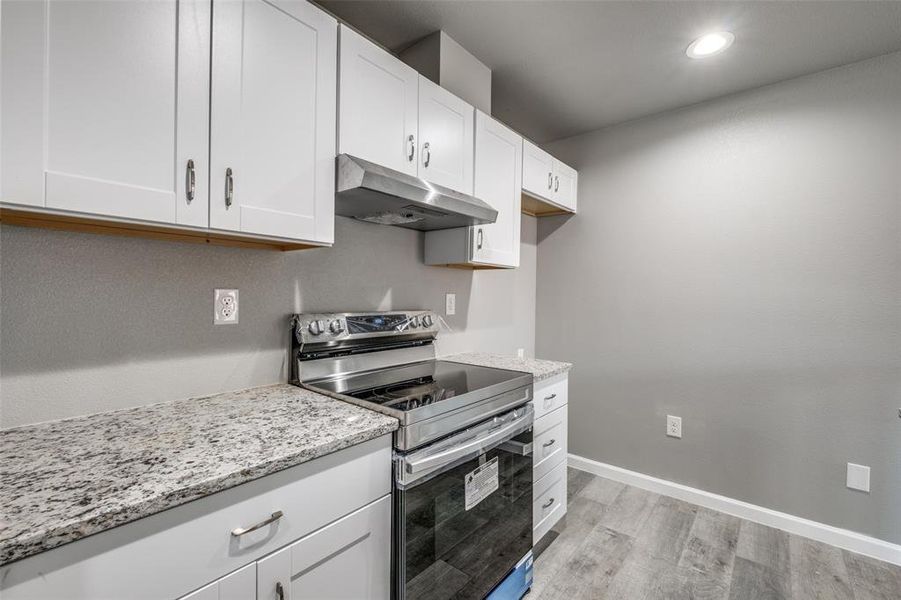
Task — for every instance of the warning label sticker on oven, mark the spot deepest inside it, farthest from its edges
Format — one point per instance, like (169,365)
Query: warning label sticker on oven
(481,483)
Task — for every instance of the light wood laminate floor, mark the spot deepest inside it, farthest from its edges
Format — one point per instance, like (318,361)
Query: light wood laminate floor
(622,543)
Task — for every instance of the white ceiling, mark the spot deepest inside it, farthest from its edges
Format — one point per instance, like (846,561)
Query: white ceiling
(562,67)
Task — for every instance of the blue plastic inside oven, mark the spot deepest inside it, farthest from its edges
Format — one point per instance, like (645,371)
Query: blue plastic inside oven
(517,583)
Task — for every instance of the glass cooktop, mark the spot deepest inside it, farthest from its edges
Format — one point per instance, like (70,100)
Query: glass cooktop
(417,385)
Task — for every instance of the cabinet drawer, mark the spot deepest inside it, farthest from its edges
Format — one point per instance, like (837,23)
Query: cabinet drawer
(549,504)
(184,548)
(549,446)
(349,559)
(550,394)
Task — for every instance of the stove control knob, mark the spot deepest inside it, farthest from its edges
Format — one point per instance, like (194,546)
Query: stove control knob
(413,322)
(427,320)
(315,327)
(336,326)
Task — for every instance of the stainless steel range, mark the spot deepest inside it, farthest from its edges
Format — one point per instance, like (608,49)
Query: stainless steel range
(463,452)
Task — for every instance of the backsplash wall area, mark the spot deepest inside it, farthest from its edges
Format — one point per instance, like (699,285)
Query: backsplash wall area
(738,264)
(93,323)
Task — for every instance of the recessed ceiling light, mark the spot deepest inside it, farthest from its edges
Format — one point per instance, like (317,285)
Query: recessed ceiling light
(710,44)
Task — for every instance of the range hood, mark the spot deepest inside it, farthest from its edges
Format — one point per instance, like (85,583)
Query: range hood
(377,194)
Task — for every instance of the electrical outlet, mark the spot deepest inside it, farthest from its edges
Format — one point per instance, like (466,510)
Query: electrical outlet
(225,307)
(520,353)
(858,477)
(450,304)
(674,426)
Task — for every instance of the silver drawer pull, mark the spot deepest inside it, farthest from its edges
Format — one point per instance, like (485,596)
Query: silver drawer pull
(548,444)
(279,591)
(551,397)
(412,143)
(426,155)
(548,503)
(550,180)
(272,519)
(556,183)
(189,181)
(229,187)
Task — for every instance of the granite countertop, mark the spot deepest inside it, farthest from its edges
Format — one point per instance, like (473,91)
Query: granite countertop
(540,369)
(64,480)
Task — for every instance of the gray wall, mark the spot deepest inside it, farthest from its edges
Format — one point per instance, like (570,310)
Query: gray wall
(92,323)
(738,264)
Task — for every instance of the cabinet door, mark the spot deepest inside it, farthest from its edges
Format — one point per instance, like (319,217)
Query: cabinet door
(445,137)
(537,171)
(565,185)
(349,559)
(240,585)
(104,104)
(273,117)
(377,116)
(498,181)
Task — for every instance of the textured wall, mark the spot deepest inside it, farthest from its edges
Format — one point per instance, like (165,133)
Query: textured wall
(92,323)
(738,263)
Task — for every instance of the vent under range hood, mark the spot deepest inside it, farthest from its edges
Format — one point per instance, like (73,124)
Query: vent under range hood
(377,194)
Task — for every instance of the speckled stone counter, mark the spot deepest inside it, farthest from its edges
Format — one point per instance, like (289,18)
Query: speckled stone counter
(65,480)
(540,369)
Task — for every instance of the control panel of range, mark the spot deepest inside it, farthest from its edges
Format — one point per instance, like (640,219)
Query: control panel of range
(319,327)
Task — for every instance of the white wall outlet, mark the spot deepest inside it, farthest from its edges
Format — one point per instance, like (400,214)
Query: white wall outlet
(520,353)
(450,304)
(225,307)
(858,477)
(674,426)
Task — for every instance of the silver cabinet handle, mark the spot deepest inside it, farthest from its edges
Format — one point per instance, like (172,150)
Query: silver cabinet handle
(479,239)
(272,519)
(551,397)
(189,180)
(548,503)
(229,187)
(548,444)
(279,591)
(550,180)
(412,142)
(426,155)
(556,183)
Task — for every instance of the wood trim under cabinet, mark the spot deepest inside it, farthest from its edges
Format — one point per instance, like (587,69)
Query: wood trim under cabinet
(468,267)
(535,207)
(61,222)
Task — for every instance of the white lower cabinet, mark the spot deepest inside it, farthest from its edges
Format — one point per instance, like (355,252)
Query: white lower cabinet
(349,559)
(240,585)
(549,451)
(320,519)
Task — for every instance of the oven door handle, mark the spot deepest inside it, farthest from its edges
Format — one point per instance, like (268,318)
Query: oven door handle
(477,444)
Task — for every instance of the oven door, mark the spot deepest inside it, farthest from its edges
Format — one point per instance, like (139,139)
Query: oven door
(463,510)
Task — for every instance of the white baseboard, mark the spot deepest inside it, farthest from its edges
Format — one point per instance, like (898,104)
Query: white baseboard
(842,538)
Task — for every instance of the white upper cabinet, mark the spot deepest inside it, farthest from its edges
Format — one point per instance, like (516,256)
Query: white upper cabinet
(445,138)
(537,170)
(548,179)
(565,185)
(105,106)
(378,105)
(390,115)
(497,181)
(272,143)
